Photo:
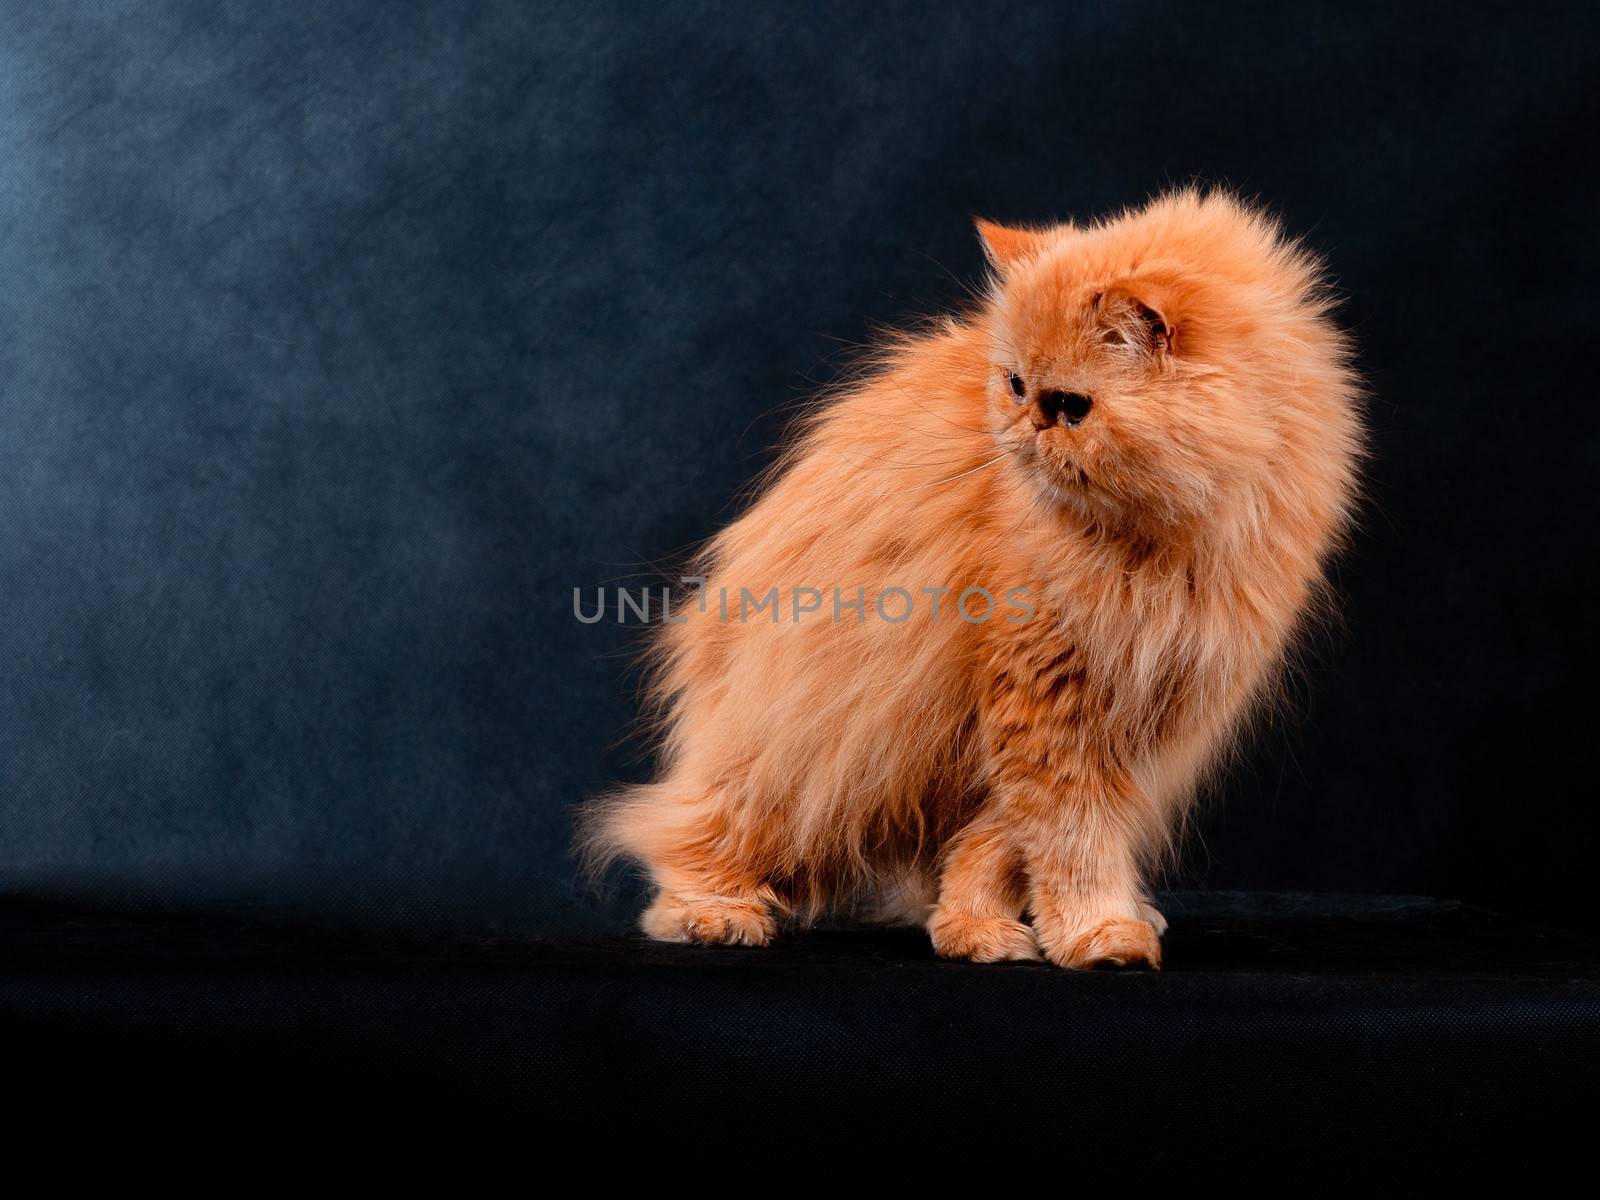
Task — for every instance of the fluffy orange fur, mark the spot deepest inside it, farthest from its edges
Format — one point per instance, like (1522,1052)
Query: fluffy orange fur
(1150,424)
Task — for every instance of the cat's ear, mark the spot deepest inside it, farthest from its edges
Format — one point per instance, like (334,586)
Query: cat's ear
(1143,315)
(1007,245)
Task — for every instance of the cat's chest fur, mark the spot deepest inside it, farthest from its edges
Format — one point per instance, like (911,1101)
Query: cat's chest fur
(1126,656)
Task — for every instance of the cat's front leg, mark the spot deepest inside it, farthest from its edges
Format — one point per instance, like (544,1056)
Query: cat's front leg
(1080,826)
(982,894)
(1076,816)
(1082,834)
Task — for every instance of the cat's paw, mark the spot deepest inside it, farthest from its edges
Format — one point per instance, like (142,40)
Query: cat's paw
(1116,943)
(711,920)
(981,939)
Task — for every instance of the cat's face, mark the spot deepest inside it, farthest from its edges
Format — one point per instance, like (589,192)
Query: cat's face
(1129,376)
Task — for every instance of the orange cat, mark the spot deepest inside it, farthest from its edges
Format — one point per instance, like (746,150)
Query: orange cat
(1130,462)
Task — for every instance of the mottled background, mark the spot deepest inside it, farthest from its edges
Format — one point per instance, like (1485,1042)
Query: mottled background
(340,341)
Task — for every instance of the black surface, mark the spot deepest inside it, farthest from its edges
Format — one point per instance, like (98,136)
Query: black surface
(340,341)
(1337,1030)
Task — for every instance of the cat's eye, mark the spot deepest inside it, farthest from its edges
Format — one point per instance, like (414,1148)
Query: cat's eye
(1019,389)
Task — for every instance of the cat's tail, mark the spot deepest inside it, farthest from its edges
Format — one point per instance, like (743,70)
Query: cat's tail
(642,823)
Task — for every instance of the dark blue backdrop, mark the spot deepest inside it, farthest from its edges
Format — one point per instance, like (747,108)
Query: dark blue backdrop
(339,342)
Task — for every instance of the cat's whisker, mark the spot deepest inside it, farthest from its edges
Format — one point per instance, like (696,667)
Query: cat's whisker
(890,465)
(893,465)
(1027,515)
(937,416)
(940,482)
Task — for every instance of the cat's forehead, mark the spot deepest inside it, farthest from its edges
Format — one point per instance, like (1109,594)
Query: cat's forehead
(1051,299)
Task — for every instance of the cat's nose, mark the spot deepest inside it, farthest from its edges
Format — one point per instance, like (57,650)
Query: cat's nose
(1069,408)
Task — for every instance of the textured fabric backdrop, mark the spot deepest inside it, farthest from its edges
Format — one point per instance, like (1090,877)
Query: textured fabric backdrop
(339,342)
